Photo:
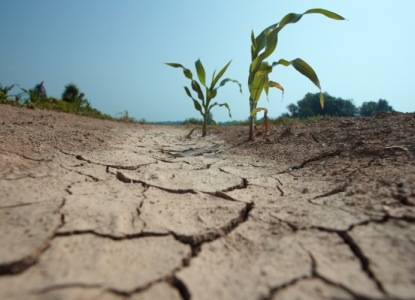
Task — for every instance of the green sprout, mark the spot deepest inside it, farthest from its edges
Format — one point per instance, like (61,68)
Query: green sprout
(204,105)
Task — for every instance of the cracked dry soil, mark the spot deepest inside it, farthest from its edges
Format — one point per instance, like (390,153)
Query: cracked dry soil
(93,209)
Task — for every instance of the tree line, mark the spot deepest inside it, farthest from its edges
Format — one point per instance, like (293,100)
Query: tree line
(310,106)
(72,99)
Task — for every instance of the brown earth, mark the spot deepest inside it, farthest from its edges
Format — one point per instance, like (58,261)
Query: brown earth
(95,209)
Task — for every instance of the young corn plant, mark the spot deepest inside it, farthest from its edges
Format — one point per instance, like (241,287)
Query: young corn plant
(262,47)
(204,105)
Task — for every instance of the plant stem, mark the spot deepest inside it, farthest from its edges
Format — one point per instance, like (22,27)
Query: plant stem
(204,124)
(251,120)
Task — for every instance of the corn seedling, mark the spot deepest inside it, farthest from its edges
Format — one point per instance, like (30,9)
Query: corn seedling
(262,47)
(204,106)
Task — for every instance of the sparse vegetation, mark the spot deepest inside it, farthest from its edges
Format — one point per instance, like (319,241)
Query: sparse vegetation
(123,116)
(72,102)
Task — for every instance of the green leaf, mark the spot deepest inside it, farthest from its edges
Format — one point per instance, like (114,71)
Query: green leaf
(213,105)
(223,104)
(261,39)
(214,123)
(255,111)
(220,74)
(269,37)
(186,72)
(281,62)
(273,84)
(191,132)
(201,72)
(321,100)
(260,78)
(256,62)
(198,90)
(266,89)
(227,106)
(290,19)
(325,12)
(253,40)
(272,41)
(197,105)
(294,18)
(214,93)
(223,82)
(305,69)
(302,67)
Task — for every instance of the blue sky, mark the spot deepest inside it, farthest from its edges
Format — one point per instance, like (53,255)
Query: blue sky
(114,51)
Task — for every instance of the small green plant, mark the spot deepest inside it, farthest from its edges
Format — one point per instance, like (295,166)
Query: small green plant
(31,96)
(262,47)
(124,117)
(204,106)
(4,98)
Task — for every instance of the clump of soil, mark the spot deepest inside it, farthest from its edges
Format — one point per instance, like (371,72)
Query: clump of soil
(368,153)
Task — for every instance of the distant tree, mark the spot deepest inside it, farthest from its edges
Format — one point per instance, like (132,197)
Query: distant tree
(73,95)
(306,113)
(335,107)
(209,118)
(371,108)
(293,109)
(368,109)
(349,109)
(40,91)
(383,105)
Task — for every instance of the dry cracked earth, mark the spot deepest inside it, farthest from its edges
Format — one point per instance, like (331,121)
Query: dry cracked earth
(93,209)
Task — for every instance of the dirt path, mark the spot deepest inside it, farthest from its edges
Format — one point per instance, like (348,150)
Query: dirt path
(93,209)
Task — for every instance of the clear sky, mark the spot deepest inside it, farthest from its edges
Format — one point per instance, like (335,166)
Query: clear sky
(115,51)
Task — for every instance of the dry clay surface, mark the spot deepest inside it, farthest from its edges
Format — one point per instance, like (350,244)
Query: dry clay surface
(93,209)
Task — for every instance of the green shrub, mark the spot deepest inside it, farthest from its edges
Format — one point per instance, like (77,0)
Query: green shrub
(192,121)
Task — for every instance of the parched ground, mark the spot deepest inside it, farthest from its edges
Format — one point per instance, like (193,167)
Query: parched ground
(93,209)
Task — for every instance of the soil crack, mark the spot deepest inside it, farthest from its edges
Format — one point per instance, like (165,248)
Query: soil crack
(319,157)
(364,261)
(197,240)
(25,263)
